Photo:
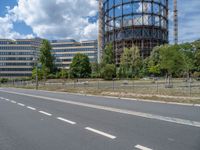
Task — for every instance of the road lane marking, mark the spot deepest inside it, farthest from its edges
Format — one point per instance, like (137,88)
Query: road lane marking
(13,102)
(6,99)
(142,147)
(101,133)
(20,104)
(32,108)
(66,120)
(45,113)
(117,110)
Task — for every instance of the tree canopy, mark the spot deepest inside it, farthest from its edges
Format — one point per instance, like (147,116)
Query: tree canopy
(131,61)
(80,66)
(46,58)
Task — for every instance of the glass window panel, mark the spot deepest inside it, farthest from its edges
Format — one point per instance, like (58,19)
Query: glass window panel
(127,21)
(137,20)
(117,2)
(127,9)
(118,22)
(156,8)
(137,7)
(118,11)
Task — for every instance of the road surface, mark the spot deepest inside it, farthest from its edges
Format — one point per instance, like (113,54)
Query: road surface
(41,120)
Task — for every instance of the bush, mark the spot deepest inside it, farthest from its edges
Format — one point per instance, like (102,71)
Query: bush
(108,72)
(197,75)
(3,80)
(51,76)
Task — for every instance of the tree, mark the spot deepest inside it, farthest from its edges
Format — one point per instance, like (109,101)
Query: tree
(171,61)
(108,71)
(154,61)
(187,51)
(130,62)
(108,55)
(39,72)
(197,55)
(46,58)
(80,66)
(95,70)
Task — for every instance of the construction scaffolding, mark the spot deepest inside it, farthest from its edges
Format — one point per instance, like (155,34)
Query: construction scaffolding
(175,23)
(100,32)
(142,23)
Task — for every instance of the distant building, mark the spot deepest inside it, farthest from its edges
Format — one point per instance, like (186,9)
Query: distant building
(65,50)
(17,57)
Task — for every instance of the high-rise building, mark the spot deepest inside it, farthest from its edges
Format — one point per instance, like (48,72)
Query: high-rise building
(17,57)
(64,51)
(143,23)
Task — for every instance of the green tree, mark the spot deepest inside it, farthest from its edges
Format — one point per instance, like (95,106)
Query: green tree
(39,73)
(108,55)
(130,62)
(154,61)
(46,57)
(80,66)
(171,61)
(188,56)
(108,71)
(197,55)
(95,70)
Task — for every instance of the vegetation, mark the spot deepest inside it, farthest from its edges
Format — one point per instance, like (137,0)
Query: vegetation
(181,60)
(108,68)
(46,59)
(80,66)
(108,71)
(131,63)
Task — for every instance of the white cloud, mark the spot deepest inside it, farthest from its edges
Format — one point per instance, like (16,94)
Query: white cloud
(7,28)
(57,19)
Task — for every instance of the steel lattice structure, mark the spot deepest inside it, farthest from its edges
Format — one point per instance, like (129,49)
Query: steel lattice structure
(143,23)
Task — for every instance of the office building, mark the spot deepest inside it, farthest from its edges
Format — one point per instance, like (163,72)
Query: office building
(17,57)
(64,51)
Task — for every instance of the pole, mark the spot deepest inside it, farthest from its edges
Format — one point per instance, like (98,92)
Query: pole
(36,75)
(113,84)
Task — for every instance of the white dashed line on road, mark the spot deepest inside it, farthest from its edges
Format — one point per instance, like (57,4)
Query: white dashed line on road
(117,110)
(66,120)
(13,102)
(45,113)
(32,108)
(6,99)
(142,147)
(101,133)
(20,104)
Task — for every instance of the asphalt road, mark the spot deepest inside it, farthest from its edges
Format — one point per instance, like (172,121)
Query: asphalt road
(39,120)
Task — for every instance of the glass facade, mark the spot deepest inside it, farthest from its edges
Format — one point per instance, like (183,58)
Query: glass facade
(17,57)
(143,23)
(64,51)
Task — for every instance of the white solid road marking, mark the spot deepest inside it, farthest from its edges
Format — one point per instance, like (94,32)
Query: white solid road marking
(65,120)
(20,104)
(101,133)
(142,147)
(45,113)
(13,102)
(117,110)
(32,108)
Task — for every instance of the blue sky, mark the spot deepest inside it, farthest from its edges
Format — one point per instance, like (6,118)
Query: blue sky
(54,19)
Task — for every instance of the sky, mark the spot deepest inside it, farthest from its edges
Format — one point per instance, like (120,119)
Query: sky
(77,19)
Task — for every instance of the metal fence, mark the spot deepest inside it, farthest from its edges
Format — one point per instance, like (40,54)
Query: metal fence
(178,87)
